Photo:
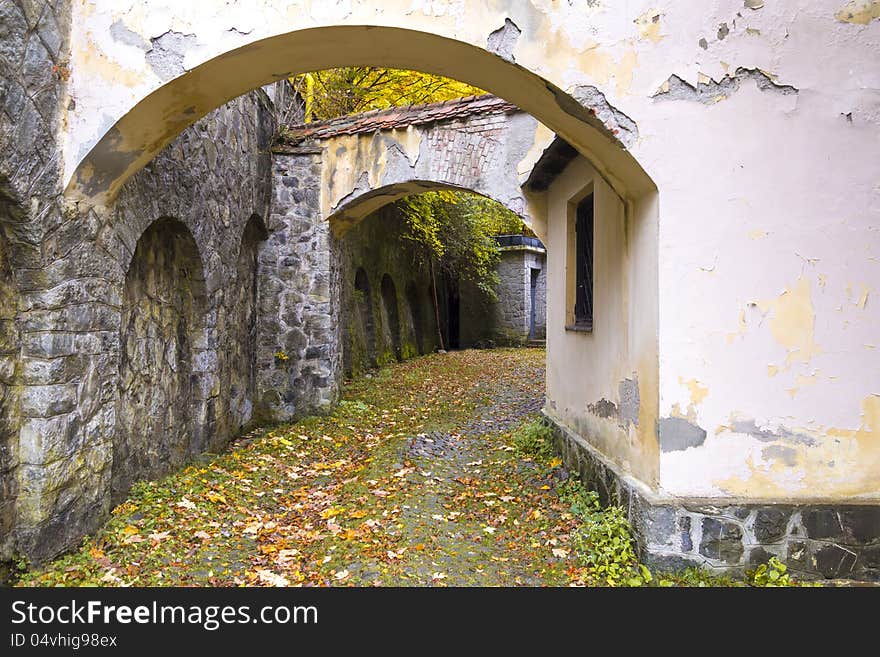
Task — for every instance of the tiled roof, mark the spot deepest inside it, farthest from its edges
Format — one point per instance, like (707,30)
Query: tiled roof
(398,117)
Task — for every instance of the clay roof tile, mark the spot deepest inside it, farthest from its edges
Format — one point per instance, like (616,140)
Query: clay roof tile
(398,117)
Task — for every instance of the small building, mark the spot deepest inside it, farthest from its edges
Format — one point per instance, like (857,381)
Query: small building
(522,289)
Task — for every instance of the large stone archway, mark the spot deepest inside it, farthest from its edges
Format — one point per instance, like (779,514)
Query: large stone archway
(197,61)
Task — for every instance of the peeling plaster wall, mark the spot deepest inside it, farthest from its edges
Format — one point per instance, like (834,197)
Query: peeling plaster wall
(770,264)
(601,384)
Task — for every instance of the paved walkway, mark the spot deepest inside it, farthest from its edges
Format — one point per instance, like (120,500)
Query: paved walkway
(413,480)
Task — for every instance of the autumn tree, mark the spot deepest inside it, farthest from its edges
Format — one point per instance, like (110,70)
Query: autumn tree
(338,92)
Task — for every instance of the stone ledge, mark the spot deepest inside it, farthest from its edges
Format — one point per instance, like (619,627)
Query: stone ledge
(815,540)
(282,149)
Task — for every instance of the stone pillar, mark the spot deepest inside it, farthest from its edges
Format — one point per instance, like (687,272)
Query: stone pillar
(298,357)
(70,342)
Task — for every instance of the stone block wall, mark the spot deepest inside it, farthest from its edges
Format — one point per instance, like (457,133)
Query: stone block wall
(815,541)
(210,189)
(298,360)
(512,312)
(10,345)
(505,320)
(160,409)
(125,347)
(34,38)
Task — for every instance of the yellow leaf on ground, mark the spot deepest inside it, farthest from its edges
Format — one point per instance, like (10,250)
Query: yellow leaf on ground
(272,579)
(186,504)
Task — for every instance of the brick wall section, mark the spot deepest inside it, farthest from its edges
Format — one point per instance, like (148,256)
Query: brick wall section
(463,149)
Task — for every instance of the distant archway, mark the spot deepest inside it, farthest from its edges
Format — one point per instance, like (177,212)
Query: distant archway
(365,328)
(391,316)
(414,302)
(366,202)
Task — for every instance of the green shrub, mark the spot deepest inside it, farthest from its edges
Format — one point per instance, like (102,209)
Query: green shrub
(772,573)
(533,439)
(603,542)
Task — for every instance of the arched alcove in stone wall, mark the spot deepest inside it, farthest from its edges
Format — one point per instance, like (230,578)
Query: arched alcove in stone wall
(417,314)
(163,360)
(390,315)
(10,347)
(241,350)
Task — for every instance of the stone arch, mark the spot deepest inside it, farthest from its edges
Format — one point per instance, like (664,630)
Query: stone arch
(470,50)
(391,315)
(362,203)
(416,311)
(242,326)
(164,362)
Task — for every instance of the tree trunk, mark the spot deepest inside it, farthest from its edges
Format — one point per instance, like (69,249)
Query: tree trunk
(436,305)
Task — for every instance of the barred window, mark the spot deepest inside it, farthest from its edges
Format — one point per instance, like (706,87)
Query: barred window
(583,305)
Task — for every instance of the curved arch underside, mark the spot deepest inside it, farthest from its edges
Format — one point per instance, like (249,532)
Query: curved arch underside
(359,206)
(153,121)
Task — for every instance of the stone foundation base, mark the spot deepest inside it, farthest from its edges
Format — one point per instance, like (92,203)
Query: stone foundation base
(815,540)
